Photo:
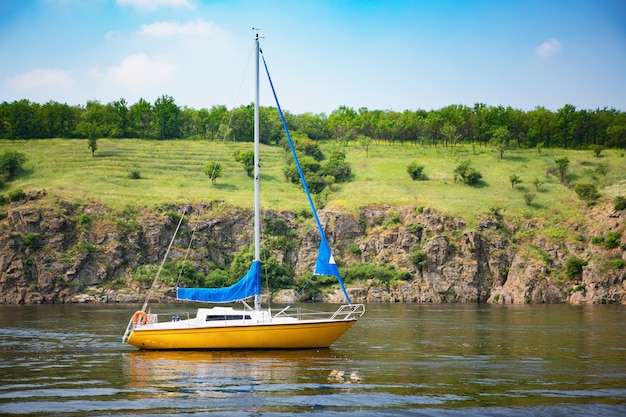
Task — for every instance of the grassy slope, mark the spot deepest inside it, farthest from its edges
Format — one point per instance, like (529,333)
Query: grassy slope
(171,172)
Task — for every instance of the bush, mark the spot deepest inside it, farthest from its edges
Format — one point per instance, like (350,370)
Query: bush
(529,198)
(619,203)
(586,191)
(218,278)
(31,241)
(134,175)
(416,228)
(416,171)
(419,259)
(84,219)
(16,195)
(467,173)
(384,274)
(337,167)
(574,267)
(319,176)
(11,163)
(617,263)
(306,146)
(354,248)
(612,240)
(597,240)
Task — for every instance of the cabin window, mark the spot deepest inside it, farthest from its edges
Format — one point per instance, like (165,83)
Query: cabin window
(220,317)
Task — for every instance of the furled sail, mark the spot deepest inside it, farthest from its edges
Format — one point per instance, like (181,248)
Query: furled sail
(246,287)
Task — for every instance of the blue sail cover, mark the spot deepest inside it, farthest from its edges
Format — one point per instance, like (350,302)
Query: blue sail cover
(246,287)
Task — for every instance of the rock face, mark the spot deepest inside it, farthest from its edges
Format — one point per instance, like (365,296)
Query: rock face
(54,251)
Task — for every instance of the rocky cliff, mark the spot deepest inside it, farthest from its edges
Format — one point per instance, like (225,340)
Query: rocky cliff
(56,251)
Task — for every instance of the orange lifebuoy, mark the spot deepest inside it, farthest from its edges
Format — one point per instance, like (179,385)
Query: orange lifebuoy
(140,317)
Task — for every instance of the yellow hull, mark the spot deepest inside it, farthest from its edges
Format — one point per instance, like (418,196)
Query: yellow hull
(313,334)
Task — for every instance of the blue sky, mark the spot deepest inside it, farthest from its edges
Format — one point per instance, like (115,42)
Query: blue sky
(379,54)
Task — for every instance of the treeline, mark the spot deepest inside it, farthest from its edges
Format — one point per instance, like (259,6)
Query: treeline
(568,127)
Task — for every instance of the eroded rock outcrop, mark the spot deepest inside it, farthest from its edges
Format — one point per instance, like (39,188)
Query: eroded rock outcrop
(54,251)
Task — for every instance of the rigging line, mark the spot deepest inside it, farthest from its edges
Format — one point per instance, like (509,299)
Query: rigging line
(324,241)
(145,304)
(282,118)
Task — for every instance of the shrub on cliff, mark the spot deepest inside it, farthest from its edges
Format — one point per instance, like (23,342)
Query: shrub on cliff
(574,267)
(383,274)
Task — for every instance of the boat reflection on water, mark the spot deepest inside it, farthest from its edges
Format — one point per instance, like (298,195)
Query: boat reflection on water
(222,373)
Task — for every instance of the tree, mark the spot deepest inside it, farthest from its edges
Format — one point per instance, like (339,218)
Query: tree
(166,116)
(343,122)
(597,149)
(541,124)
(565,119)
(217,115)
(213,170)
(562,165)
(537,182)
(91,125)
(242,123)
(119,118)
(365,142)
(515,179)
(246,158)
(141,117)
(313,126)
(449,134)
(617,134)
(500,140)
(92,143)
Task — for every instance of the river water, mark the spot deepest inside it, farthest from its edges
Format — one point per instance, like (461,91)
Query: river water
(398,360)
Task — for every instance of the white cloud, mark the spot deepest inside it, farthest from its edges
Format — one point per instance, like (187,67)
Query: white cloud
(199,28)
(40,78)
(139,70)
(549,47)
(152,5)
(113,35)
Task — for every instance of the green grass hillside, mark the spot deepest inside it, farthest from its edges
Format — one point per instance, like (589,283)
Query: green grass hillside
(171,172)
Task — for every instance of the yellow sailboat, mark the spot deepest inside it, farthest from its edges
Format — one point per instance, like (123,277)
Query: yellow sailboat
(248,327)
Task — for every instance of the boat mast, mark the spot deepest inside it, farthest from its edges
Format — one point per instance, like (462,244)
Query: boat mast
(257,185)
